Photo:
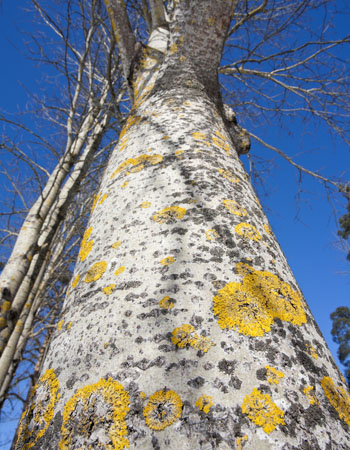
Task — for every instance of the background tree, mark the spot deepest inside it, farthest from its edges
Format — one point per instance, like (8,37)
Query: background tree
(341,335)
(79,132)
(179,260)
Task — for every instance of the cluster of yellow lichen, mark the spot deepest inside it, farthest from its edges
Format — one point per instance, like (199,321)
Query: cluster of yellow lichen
(96,271)
(98,200)
(229,175)
(247,231)
(163,409)
(273,375)
(86,245)
(262,411)
(166,303)
(310,394)
(241,441)
(220,141)
(36,419)
(186,335)
(100,405)
(338,398)
(204,403)
(132,165)
(211,234)
(252,305)
(169,214)
(109,289)
(168,260)
(234,208)
(312,351)
(75,281)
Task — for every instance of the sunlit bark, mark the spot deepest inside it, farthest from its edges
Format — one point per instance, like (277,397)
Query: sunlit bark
(184,327)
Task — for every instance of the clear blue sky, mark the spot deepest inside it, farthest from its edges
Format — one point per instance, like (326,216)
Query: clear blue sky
(306,229)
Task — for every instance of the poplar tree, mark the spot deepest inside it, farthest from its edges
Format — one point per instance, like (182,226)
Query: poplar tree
(184,327)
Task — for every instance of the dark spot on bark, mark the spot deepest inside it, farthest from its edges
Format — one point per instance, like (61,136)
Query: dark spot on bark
(306,361)
(155,443)
(165,348)
(196,382)
(261,374)
(285,360)
(226,366)
(180,231)
(71,381)
(139,339)
(314,416)
(235,382)
(208,366)
(128,313)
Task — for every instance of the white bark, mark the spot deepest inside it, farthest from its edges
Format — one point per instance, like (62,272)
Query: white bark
(184,327)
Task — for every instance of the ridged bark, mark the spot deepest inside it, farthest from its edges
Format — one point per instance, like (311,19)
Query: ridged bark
(184,327)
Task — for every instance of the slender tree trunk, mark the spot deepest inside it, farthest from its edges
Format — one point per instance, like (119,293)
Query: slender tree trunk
(184,327)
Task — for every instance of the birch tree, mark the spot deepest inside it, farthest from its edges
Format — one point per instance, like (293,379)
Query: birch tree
(89,67)
(184,326)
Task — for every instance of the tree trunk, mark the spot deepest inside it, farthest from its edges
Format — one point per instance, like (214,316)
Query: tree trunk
(184,327)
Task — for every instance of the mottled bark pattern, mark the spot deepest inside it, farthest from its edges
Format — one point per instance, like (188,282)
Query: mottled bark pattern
(184,327)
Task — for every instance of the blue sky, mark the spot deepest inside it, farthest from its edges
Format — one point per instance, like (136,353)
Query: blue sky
(305,228)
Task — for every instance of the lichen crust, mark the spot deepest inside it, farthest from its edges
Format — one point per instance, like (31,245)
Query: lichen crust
(94,417)
(36,418)
(164,407)
(262,411)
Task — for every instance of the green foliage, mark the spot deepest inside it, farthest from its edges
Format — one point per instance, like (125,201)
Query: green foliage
(344,221)
(341,335)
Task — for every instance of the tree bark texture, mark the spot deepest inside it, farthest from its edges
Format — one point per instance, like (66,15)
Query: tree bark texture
(184,327)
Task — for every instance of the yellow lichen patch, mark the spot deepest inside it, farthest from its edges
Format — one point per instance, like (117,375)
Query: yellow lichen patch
(133,165)
(132,120)
(59,325)
(163,409)
(145,204)
(273,375)
(169,214)
(143,395)
(166,303)
(204,403)
(252,305)
(219,140)
(75,281)
(124,184)
(312,351)
(186,335)
(211,21)
(199,136)
(212,234)
(37,417)
(173,48)
(95,272)
(234,208)
(237,309)
(179,153)
(244,269)
(248,231)
(99,406)
(109,289)
(96,197)
(167,261)
(116,244)
(240,442)
(228,174)
(103,198)
(308,391)
(262,411)
(120,270)
(338,398)
(86,245)
(69,325)
(280,299)
(267,229)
